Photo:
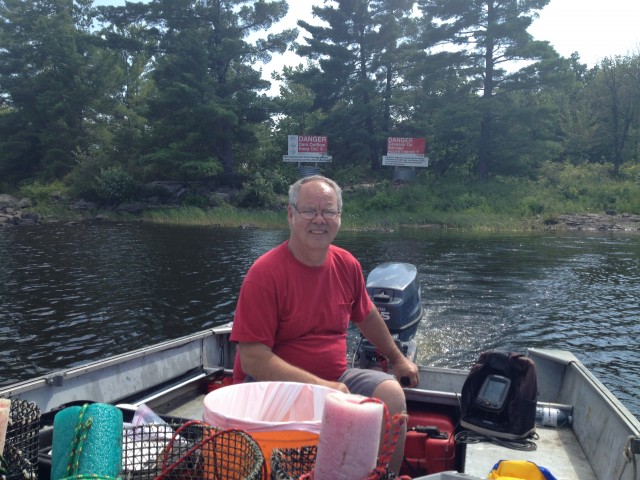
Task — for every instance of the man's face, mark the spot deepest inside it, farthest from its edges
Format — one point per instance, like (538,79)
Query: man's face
(319,232)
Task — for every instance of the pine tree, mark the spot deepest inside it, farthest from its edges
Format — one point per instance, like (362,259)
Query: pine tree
(491,36)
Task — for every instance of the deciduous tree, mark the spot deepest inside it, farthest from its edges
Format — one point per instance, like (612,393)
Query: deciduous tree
(616,97)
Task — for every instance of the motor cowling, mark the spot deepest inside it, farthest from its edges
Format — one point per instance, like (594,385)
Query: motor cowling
(395,291)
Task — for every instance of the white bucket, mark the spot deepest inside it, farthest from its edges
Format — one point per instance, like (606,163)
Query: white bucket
(267,406)
(276,414)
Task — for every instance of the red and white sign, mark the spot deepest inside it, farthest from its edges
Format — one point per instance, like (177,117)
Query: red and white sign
(307,145)
(307,148)
(405,146)
(405,152)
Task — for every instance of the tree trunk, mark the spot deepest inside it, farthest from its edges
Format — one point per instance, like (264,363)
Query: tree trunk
(484,150)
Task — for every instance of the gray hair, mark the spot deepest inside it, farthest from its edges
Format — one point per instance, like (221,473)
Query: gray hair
(295,188)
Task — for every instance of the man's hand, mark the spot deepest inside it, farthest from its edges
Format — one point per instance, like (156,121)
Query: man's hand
(404,368)
(375,330)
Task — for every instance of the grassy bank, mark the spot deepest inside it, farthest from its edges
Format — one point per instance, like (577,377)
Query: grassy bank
(503,203)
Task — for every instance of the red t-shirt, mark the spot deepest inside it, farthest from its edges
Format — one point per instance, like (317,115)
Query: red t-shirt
(301,313)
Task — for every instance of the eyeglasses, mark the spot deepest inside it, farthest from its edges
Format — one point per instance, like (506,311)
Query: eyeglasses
(311,214)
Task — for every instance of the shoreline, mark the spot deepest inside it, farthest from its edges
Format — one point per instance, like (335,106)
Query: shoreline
(588,222)
(16,213)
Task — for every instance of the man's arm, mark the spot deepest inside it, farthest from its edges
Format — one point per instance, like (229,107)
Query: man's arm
(375,330)
(262,364)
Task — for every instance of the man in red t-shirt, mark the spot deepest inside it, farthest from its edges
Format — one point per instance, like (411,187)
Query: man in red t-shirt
(297,300)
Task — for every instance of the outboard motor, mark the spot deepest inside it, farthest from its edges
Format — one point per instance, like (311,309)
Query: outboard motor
(395,291)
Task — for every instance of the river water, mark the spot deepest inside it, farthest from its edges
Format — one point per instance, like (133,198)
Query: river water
(74,293)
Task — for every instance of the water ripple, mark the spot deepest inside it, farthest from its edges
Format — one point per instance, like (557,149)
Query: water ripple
(70,294)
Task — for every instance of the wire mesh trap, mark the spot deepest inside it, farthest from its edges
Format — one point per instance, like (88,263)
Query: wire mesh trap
(21,445)
(192,450)
(292,463)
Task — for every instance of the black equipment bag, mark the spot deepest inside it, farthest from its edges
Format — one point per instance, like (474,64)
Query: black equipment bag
(499,396)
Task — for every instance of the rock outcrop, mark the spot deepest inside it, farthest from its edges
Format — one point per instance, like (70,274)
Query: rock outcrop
(13,211)
(625,222)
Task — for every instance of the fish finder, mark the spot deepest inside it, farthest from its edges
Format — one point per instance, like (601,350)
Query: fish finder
(493,393)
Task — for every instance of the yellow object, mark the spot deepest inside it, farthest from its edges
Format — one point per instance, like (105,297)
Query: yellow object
(516,470)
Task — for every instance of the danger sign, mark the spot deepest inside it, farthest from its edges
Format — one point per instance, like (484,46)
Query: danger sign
(405,146)
(311,145)
(405,152)
(307,148)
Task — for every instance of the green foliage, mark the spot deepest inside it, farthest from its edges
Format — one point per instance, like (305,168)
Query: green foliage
(156,192)
(80,181)
(616,97)
(55,79)
(532,205)
(201,170)
(206,99)
(509,203)
(631,172)
(97,99)
(349,174)
(114,185)
(574,175)
(503,203)
(263,190)
(360,46)
(41,193)
(174,163)
(484,39)
(192,199)
(382,200)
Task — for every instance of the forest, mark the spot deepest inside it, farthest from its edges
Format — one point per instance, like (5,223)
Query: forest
(103,102)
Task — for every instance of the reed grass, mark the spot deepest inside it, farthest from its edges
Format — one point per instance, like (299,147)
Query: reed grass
(223,216)
(460,202)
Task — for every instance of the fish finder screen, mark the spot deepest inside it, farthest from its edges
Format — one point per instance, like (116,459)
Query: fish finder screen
(493,392)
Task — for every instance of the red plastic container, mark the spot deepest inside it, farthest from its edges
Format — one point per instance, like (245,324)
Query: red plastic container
(430,446)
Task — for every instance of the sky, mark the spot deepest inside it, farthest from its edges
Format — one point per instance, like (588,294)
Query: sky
(594,28)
